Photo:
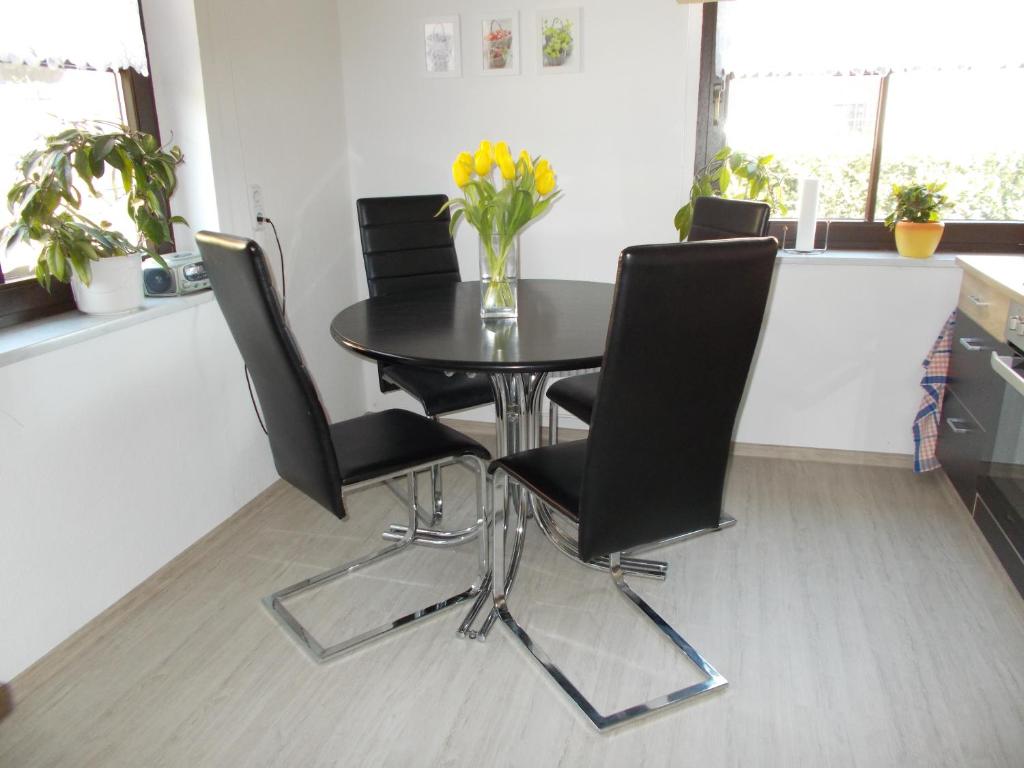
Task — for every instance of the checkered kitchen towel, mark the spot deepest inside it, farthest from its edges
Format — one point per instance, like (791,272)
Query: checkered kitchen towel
(926,424)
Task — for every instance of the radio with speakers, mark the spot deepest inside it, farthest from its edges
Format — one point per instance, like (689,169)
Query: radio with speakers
(184,273)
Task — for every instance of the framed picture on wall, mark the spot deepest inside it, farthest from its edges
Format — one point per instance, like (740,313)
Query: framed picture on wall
(499,43)
(441,47)
(559,42)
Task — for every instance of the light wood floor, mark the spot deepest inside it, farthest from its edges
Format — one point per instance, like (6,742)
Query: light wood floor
(856,611)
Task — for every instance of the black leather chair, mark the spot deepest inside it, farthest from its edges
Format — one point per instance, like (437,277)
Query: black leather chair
(714,218)
(717,218)
(407,246)
(319,458)
(654,464)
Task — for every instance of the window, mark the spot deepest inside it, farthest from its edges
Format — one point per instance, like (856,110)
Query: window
(49,77)
(822,143)
(838,94)
(45,99)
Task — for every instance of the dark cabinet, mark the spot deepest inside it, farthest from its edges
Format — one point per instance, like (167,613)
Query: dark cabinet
(980,445)
(970,411)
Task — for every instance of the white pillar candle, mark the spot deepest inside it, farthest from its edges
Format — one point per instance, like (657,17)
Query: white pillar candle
(807,220)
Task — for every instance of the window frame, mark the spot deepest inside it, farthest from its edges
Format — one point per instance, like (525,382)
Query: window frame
(868,234)
(25,300)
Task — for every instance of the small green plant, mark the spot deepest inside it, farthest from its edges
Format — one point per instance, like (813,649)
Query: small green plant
(918,203)
(557,41)
(46,202)
(734,175)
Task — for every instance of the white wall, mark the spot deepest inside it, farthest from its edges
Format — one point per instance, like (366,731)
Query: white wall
(177,77)
(840,360)
(617,133)
(118,453)
(159,443)
(272,78)
(122,451)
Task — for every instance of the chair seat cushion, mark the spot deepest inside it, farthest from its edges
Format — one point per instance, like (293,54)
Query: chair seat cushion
(554,472)
(576,394)
(439,393)
(378,444)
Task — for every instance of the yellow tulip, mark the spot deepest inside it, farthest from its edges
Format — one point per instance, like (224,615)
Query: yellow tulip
(465,158)
(462,173)
(508,168)
(545,181)
(482,161)
(503,157)
(524,158)
(485,146)
(542,167)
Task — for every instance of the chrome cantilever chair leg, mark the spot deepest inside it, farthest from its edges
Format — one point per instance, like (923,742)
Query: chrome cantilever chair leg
(552,422)
(409,497)
(712,680)
(320,652)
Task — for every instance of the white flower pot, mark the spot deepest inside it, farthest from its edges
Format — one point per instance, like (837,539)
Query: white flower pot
(116,286)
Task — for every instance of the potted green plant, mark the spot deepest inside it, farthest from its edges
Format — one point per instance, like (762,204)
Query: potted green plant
(102,265)
(915,218)
(734,175)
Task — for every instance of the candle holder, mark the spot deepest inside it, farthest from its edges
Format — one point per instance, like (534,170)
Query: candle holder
(813,251)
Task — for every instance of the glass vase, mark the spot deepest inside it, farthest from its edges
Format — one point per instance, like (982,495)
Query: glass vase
(499,276)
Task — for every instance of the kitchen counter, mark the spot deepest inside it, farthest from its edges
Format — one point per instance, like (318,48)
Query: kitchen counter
(1004,273)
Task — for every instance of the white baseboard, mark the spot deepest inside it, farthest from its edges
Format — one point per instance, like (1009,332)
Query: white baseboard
(484,431)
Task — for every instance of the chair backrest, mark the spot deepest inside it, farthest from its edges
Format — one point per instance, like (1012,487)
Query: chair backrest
(685,322)
(716,218)
(300,437)
(405,244)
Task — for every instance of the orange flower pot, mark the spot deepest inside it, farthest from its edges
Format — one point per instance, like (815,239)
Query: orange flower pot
(916,240)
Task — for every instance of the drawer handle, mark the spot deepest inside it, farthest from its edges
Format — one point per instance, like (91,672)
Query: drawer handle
(952,424)
(977,300)
(971,345)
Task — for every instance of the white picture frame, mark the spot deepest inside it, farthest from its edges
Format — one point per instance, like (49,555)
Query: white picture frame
(554,56)
(499,48)
(440,47)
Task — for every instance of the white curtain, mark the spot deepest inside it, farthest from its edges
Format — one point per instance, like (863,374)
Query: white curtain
(98,34)
(849,37)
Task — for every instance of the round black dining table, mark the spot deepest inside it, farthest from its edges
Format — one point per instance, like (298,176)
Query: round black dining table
(561,327)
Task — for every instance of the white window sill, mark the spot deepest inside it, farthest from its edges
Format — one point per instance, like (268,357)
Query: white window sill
(870,259)
(47,334)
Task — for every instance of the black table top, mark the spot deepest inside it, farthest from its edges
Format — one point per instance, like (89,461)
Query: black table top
(561,326)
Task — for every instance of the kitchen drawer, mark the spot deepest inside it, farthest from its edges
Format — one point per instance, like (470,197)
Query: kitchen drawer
(970,371)
(1004,497)
(991,520)
(963,447)
(984,304)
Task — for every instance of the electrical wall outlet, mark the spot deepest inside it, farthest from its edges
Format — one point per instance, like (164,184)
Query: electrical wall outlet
(256,201)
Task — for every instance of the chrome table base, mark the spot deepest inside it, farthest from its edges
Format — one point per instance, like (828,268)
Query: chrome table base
(517,402)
